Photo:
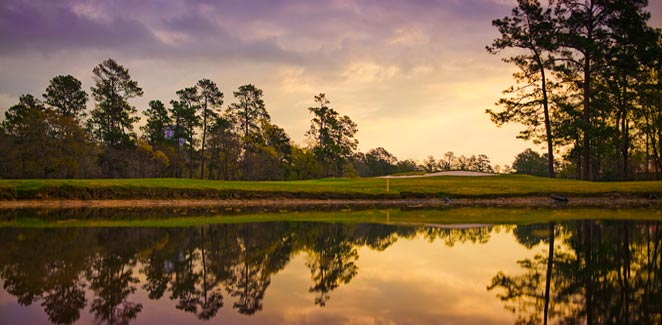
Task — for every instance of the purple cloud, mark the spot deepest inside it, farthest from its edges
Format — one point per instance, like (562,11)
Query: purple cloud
(229,28)
(29,26)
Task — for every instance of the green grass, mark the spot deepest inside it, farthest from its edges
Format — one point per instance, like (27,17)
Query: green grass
(342,188)
(390,216)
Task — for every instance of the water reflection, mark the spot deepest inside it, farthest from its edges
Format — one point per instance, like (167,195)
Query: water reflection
(593,272)
(583,271)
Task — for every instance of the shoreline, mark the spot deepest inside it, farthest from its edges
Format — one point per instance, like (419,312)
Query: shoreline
(515,201)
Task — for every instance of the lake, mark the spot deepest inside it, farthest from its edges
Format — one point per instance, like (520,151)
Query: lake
(588,270)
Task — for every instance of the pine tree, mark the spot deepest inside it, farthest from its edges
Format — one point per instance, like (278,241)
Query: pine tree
(66,95)
(113,117)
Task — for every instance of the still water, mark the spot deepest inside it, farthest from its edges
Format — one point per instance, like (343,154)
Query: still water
(584,271)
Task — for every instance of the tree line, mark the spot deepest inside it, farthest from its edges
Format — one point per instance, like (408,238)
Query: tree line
(192,136)
(588,85)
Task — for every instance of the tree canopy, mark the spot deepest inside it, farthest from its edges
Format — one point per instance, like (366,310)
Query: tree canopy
(585,72)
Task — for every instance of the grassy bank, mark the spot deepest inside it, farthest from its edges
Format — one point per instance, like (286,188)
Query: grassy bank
(363,188)
(445,216)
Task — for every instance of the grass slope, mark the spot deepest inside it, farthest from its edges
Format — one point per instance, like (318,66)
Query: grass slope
(342,188)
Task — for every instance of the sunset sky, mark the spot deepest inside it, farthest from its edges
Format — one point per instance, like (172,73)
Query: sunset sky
(414,75)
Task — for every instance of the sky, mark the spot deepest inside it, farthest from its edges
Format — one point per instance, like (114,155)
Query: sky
(414,75)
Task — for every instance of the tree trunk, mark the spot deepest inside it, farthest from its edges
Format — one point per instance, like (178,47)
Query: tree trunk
(588,271)
(190,161)
(648,157)
(625,130)
(586,119)
(578,168)
(204,136)
(626,270)
(548,127)
(657,164)
(626,149)
(550,262)
(596,159)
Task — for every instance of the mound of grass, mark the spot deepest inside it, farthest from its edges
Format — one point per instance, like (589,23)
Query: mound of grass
(339,188)
(414,173)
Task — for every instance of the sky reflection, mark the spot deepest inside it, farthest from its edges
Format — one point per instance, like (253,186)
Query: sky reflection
(302,272)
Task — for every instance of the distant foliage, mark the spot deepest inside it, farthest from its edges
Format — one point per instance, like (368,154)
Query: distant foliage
(530,162)
(158,124)
(41,142)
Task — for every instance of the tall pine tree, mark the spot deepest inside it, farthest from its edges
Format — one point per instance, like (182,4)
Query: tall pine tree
(210,99)
(113,116)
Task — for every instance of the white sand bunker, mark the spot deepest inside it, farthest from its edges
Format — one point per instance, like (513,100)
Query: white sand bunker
(446,173)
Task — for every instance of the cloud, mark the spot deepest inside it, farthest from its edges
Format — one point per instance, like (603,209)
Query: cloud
(31,27)
(51,26)
(409,36)
(369,72)
(388,64)
(301,32)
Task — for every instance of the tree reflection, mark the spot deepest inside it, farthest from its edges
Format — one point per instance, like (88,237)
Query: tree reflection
(331,261)
(381,237)
(248,282)
(603,272)
(196,289)
(66,296)
(529,294)
(598,272)
(262,251)
(157,268)
(451,235)
(191,266)
(40,266)
(112,280)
